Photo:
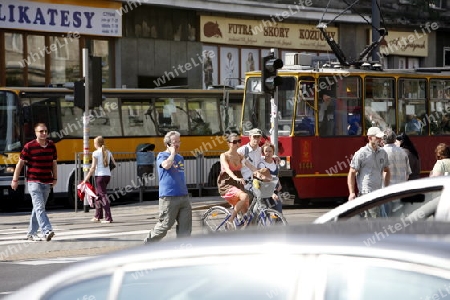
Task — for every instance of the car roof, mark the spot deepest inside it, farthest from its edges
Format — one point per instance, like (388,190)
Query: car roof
(424,243)
(392,190)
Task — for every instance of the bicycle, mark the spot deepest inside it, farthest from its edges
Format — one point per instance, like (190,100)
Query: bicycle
(216,218)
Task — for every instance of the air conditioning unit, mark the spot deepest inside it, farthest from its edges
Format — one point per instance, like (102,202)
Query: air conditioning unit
(295,59)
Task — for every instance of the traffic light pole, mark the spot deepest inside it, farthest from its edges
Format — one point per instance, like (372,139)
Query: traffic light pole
(86,119)
(274,121)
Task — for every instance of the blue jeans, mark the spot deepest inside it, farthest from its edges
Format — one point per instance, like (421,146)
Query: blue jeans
(39,194)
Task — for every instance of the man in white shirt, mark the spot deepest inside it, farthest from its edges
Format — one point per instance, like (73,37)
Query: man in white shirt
(252,152)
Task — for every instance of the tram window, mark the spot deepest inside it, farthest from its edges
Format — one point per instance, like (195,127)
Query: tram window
(412,109)
(439,118)
(286,99)
(379,105)
(339,106)
(305,117)
(137,118)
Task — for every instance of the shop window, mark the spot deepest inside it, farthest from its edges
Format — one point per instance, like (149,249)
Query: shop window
(446,56)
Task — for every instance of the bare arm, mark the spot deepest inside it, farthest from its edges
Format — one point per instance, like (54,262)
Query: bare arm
(387,176)
(250,166)
(15,179)
(351,183)
(167,164)
(55,171)
(92,169)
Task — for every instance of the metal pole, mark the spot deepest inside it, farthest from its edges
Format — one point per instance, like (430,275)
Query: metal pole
(376,26)
(86,116)
(274,120)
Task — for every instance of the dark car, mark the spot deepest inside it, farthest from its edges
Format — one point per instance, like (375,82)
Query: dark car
(334,261)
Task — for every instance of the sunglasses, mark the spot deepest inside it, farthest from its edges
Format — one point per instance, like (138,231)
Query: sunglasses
(256,136)
(236,142)
(42,131)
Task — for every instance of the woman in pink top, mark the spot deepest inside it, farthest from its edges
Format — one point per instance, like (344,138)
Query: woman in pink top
(230,181)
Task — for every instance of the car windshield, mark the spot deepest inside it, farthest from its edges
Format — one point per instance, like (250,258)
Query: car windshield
(414,205)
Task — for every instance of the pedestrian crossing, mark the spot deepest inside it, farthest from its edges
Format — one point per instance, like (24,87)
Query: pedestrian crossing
(14,236)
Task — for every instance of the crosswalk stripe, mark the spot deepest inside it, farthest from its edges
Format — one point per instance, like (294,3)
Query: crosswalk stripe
(72,235)
(59,260)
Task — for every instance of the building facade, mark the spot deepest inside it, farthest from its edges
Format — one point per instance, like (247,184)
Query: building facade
(193,43)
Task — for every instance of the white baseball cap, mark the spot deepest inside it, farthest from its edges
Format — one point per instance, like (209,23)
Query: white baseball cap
(255,131)
(375,131)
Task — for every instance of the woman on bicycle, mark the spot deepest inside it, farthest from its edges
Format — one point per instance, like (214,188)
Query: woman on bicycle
(230,181)
(269,162)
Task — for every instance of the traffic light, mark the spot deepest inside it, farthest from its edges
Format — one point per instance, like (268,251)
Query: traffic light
(269,78)
(95,85)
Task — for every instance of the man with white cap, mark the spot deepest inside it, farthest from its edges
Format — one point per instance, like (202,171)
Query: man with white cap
(252,152)
(367,167)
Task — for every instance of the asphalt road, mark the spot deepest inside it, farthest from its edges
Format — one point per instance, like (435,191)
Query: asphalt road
(76,238)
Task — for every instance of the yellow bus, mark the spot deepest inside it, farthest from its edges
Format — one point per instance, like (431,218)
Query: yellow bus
(127,118)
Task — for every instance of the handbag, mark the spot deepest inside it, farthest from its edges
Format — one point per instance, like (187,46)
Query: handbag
(112,165)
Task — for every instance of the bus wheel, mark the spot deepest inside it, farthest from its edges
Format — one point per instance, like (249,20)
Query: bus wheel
(71,194)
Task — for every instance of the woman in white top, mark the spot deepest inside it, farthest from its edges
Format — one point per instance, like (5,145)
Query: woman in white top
(442,165)
(100,164)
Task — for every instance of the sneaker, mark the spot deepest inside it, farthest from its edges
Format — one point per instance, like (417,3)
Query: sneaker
(95,220)
(49,235)
(34,237)
(106,221)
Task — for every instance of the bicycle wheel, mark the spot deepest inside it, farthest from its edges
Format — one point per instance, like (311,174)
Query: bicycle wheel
(270,217)
(216,219)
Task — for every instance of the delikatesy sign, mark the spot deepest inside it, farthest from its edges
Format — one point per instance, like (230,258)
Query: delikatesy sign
(98,18)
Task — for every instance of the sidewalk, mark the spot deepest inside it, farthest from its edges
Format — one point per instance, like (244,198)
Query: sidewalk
(76,236)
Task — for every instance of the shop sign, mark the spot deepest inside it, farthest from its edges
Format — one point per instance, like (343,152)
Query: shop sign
(84,17)
(263,33)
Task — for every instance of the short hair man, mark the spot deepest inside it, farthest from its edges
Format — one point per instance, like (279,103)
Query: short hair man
(398,165)
(367,167)
(252,152)
(40,157)
(174,204)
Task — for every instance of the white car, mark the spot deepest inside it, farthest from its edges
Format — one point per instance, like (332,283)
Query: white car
(302,262)
(427,198)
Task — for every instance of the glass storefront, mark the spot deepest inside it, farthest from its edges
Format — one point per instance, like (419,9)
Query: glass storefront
(39,60)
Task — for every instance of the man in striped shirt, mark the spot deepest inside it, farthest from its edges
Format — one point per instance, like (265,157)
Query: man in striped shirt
(39,156)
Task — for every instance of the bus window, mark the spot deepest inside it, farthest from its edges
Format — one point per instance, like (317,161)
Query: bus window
(203,116)
(46,111)
(379,105)
(172,114)
(339,106)
(9,123)
(411,106)
(439,118)
(137,119)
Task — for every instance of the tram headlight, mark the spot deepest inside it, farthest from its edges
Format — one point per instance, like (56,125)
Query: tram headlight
(285,162)
(10,169)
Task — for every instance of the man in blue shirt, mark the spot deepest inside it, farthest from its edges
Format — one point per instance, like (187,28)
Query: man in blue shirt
(174,204)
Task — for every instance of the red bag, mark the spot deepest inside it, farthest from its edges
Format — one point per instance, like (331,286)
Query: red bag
(81,193)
